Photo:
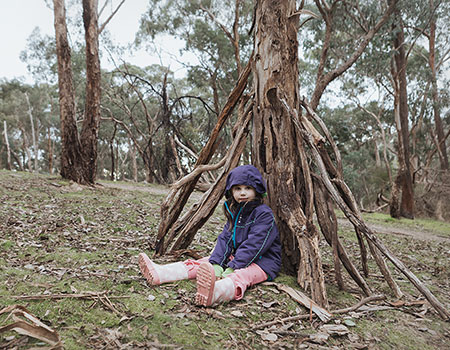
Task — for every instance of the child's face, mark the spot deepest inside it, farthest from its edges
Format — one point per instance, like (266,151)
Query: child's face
(243,193)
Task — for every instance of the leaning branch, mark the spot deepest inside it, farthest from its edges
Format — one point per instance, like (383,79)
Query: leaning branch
(176,200)
(355,219)
(198,171)
(186,148)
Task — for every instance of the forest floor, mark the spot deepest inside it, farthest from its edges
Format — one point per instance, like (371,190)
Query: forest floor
(68,255)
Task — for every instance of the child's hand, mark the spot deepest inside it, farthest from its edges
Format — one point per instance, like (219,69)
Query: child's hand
(218,270)
(228,271)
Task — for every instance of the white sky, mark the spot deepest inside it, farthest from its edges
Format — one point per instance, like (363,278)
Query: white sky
(18,18)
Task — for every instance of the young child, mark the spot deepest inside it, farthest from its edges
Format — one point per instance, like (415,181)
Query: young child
(247,252)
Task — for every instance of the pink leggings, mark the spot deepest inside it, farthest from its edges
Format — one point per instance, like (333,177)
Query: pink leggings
(242,278)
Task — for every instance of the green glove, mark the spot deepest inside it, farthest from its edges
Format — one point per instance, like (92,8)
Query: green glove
(228,271)
(218,270)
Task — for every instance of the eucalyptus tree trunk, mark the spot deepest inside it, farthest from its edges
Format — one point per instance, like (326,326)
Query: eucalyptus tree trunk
(277,149)
(71,156)
(134,168)
(50,146)
(404,206)
(441,144)
(91,122)
(26,149)
(8,150)
(33,134)
(168,167)
(79,153)
(442,149)
(111,152)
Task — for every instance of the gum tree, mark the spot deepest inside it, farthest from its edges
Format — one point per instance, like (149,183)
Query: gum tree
(79,150)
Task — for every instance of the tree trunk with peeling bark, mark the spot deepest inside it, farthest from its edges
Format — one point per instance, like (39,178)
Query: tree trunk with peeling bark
(8,150)
(79,152)
(277,148)
(442,149)
(91,122)
(71,156)
(33,134)
(402,200)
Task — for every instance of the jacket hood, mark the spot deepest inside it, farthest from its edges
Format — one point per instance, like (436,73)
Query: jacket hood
(246,175)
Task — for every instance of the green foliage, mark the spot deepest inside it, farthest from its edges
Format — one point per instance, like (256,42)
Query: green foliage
(357,135)
(40,56)
(216,74)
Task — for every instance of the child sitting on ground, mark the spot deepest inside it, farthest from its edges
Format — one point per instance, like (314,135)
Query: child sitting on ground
(247,252)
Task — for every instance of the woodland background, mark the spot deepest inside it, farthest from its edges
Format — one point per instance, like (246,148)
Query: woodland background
(375,72)
(154,125)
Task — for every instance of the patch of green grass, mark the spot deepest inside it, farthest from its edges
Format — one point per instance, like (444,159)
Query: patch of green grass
(287,280)
(348,235)
(426,225)
(439,227)
(6,244)
(340,298)
(387,335)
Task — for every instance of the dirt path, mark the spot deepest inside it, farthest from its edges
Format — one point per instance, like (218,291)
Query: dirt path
(416,234)
(159,190)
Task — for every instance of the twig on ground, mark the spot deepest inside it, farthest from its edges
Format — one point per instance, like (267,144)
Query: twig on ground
(86,295)
(291,333)
(162,346)
(361,303)
(93,304)
(306,316)
(96,296)
(105,301)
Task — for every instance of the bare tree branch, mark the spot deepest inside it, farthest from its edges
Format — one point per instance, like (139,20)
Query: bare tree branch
(324,79)
(100,30)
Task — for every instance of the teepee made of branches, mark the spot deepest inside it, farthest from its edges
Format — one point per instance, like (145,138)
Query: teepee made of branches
(296,154)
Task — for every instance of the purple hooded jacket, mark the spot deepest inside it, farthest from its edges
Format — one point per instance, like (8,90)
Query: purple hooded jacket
(252,237)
